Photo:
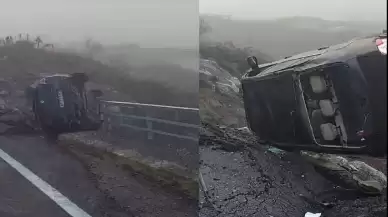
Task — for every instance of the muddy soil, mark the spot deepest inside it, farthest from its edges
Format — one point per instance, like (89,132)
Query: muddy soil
(133,192)
(244,178)
(221,108)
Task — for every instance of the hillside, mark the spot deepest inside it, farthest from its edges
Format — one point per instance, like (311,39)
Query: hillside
(286,36)
(231,57)
(23,64)
(219,100)
(174,67)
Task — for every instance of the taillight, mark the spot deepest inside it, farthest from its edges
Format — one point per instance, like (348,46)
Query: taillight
(381,44)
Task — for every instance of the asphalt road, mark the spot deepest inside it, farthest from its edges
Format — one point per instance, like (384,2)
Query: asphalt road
(69,192)
(257,184)
(41,179)
(20,198)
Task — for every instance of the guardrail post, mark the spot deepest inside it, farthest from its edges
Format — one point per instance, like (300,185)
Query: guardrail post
(109,125)
(150,135)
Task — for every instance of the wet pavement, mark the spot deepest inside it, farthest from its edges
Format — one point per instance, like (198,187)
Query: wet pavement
(61,171)
(20,198)
(94,184)
(244,185)
(247,179)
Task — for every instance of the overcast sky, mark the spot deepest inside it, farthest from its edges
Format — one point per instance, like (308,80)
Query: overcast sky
(151,23)
(268,9)
(159,23)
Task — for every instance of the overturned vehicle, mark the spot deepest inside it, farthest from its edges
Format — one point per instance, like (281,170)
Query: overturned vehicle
(61,104)
(333,99)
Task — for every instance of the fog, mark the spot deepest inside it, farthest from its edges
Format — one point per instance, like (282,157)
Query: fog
(149,40)
(368,10)
(149,23)
(173,24)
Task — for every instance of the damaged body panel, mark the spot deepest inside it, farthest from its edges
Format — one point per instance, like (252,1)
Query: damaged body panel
(332,99)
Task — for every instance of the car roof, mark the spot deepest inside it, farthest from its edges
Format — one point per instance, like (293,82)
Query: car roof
(57,75)
(37,82)
(322,56)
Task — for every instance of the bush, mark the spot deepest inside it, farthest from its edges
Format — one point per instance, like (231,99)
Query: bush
(229,57)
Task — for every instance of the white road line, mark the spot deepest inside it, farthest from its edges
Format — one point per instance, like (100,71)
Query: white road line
(71,208)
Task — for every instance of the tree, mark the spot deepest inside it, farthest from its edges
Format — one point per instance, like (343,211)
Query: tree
(38,41)
(93,47)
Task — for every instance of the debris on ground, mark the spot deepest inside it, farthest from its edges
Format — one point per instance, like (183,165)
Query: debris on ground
(309,214)
(15,120)
(162,172)
(276,151)
(359,207)
(356,175)
(247,178)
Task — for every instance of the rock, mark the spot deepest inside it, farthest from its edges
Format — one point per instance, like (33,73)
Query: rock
(205,132)
(369,172)
(349,174)
(16,122)
(245,130)
(276,151)
(13,116)
(17,118)
(371,187)
(309,214)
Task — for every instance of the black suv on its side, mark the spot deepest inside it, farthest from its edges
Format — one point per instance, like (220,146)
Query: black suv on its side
(333,99)
(61,104)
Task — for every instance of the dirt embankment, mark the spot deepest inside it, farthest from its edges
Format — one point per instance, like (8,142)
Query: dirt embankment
(221,108)
(141,193)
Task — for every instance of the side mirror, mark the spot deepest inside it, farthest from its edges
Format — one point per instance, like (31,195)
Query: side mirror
(252,62)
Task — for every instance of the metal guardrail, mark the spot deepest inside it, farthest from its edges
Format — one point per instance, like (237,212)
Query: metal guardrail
(171,121)
(148,105)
